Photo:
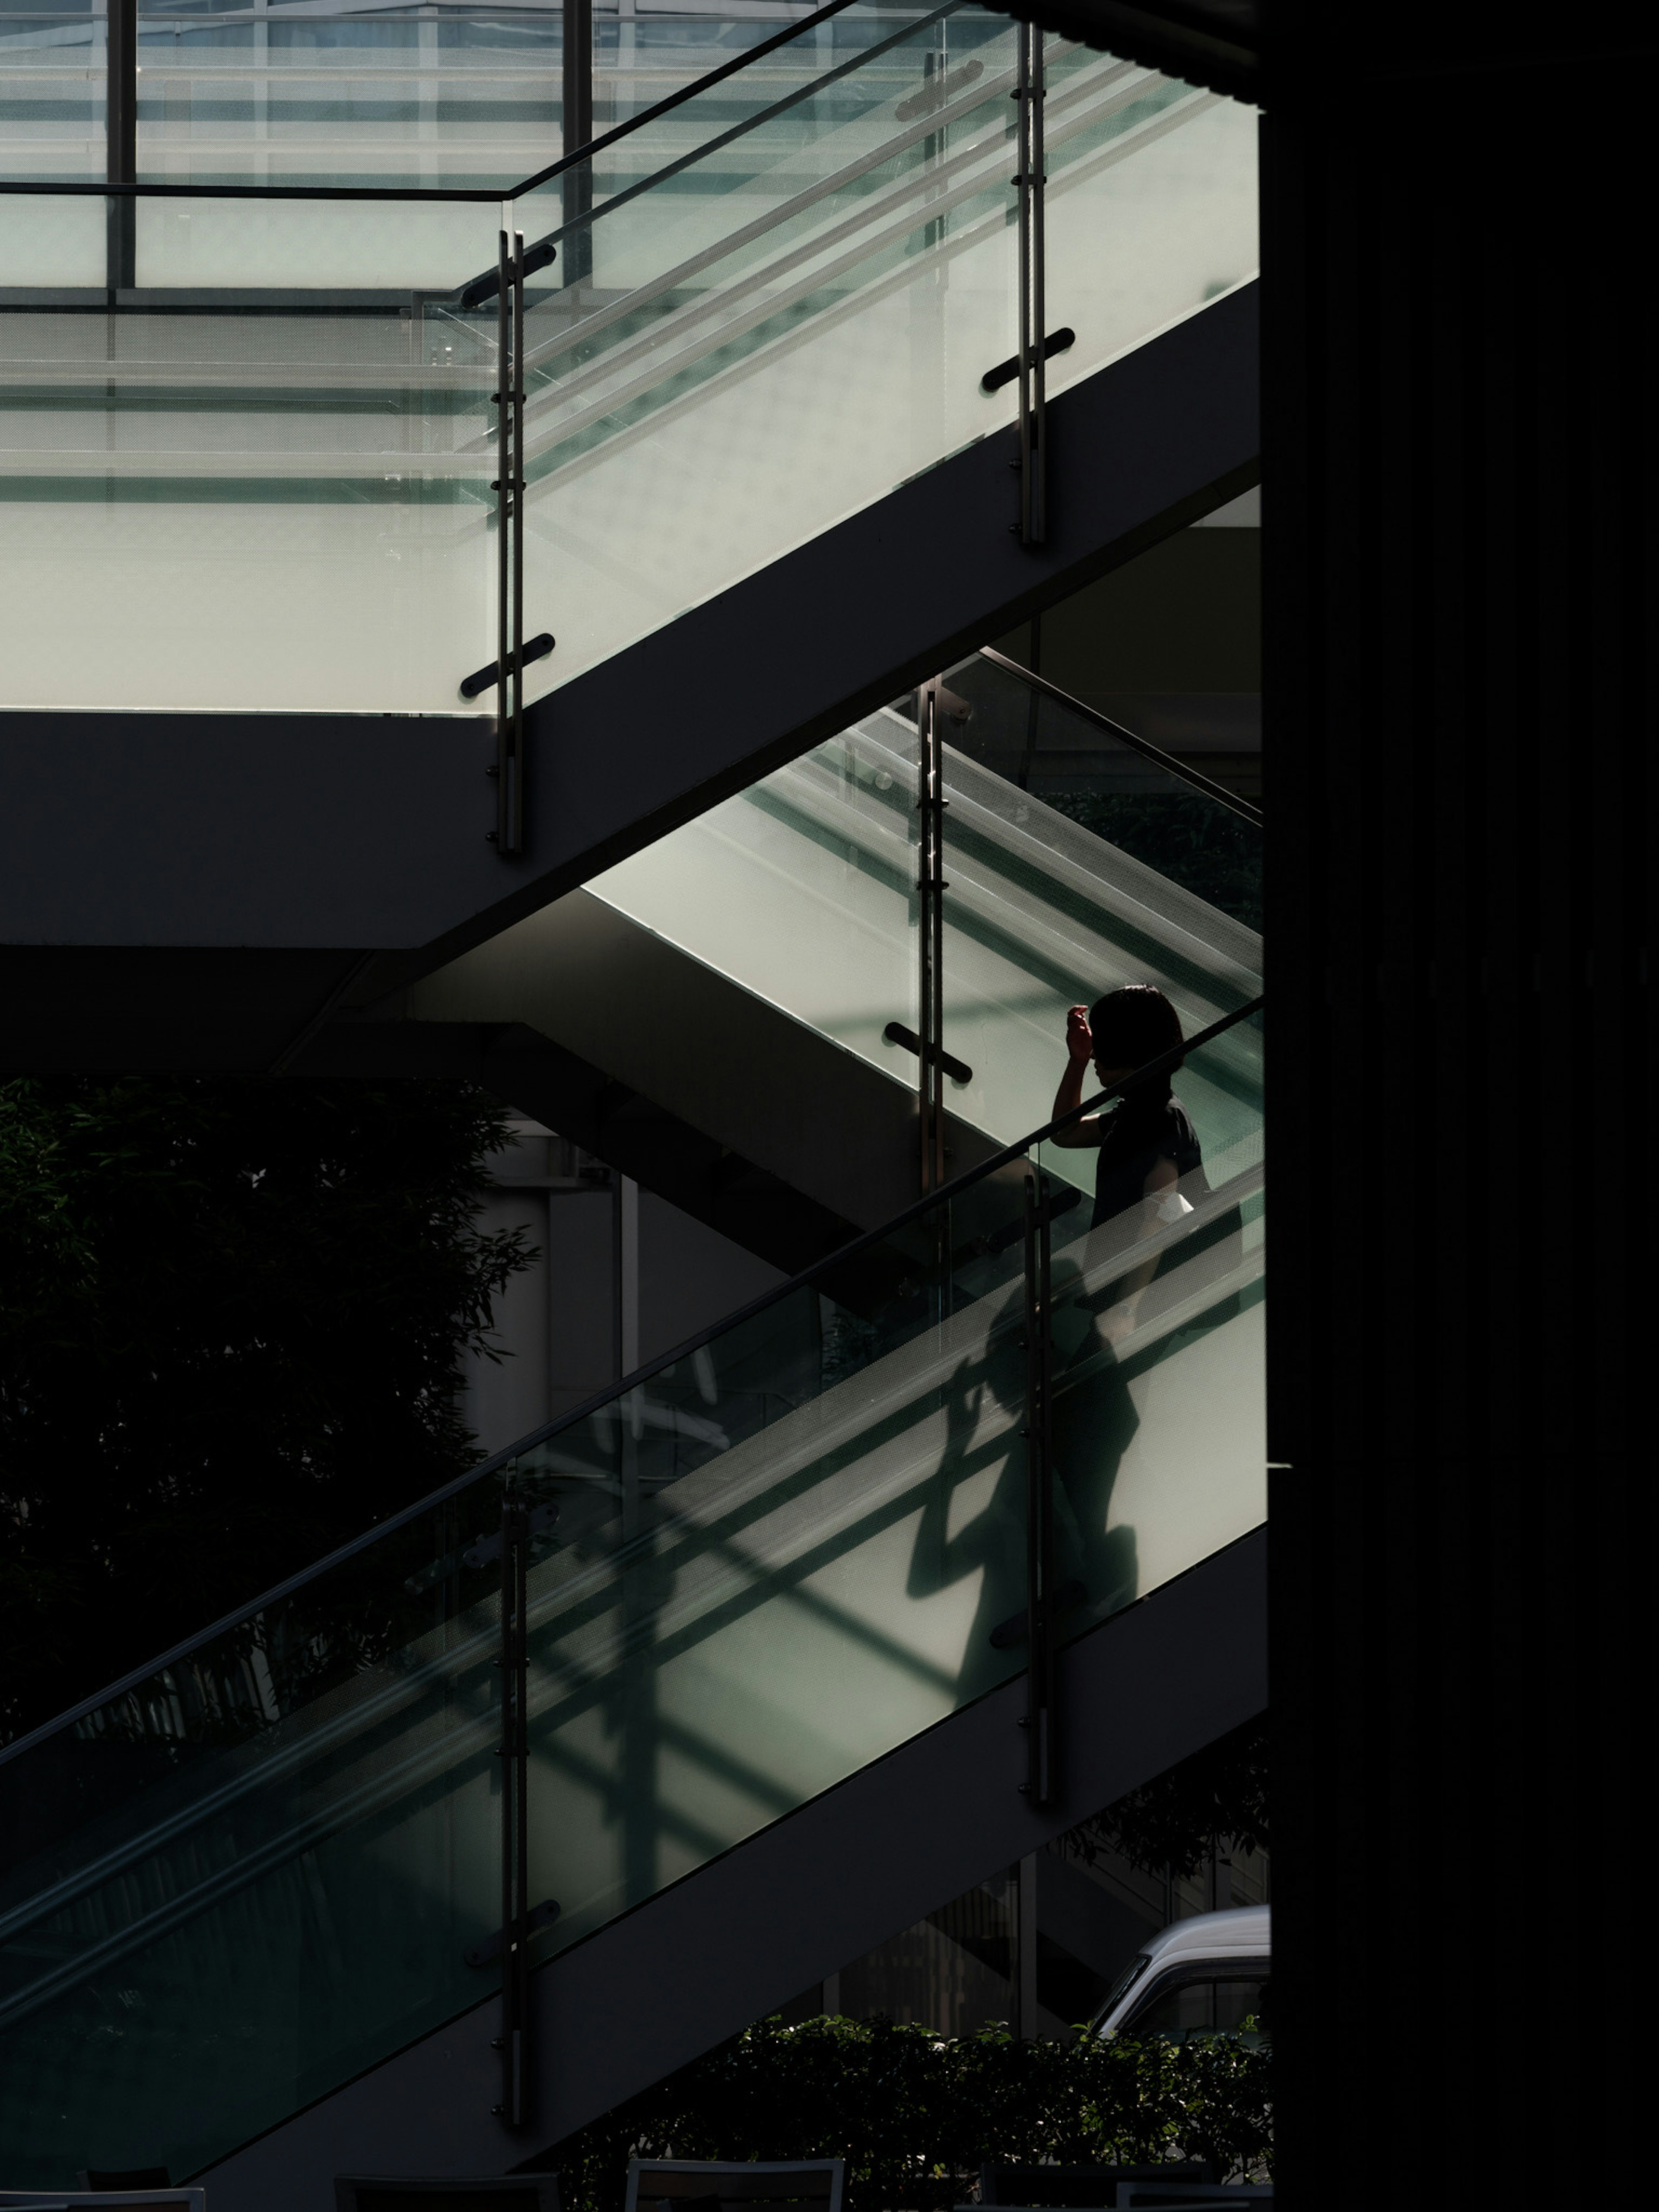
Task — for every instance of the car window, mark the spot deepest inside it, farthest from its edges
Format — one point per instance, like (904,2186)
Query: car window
(1203,2003)
(1126,1981)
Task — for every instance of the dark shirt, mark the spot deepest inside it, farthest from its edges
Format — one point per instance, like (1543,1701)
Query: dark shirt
(1144,1131)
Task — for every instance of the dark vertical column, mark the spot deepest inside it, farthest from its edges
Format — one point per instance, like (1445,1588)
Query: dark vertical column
(577,111)
(1022,1886)
(1040,1782)
(516,2065)
(121,131)
(1459,504)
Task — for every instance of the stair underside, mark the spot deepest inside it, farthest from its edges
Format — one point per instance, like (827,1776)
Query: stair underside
(793,1903)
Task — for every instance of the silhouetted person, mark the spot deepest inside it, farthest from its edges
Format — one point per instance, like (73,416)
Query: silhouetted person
(1147,1145)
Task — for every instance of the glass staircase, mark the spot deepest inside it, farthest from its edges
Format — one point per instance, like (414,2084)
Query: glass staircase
(267,1862)
(270,1861)
(803,890)
(268,464)
(262,1865)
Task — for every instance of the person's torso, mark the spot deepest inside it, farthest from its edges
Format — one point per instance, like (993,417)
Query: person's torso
(1140,1136)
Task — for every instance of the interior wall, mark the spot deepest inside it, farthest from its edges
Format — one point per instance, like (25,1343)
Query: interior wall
(958,1970)
(1170,645)
(619,1277)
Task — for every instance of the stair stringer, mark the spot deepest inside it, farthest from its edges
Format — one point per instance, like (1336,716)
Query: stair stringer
(794,1903)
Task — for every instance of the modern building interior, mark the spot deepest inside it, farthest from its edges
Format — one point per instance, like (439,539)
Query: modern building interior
(700,566)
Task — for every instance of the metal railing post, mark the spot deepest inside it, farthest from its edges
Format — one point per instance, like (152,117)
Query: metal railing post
(515,1818)
(121,143)
(509,487)
(576,186)
(1040,1782)
(1033,308)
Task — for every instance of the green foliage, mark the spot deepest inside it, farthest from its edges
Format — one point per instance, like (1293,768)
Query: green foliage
(232,1313)
(1172,1824)
(916,2114)
(1194,841)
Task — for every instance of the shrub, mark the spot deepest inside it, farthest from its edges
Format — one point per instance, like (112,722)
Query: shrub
(916,2114)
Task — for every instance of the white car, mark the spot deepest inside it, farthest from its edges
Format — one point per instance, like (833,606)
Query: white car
(1201,1974)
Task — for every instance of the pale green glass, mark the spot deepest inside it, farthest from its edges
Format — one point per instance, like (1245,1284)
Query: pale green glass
(717,378)
(52,125)
(788,319)
(271,1862)
(465,97)
(46,241)
(288,507)
(1151,209)
(802,889)
(271,1858)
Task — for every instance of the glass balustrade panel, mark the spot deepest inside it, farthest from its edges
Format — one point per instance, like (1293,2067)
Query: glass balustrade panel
(803,889)
(795,317)
(52,130)
(717,378)
(275,500)
(1043,913)
(1159,1423)
(48,244)
(717,375)
(774,107)
(273,1860)
(262,1866)
(1164,173)
(1080,769)
(277,1856)
(298,92)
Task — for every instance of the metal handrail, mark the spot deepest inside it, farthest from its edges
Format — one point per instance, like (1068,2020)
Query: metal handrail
(441,193)
(1167,761)
(1165,1065)
(739,129)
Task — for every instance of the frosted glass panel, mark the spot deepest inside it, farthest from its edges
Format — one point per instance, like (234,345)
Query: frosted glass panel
(802,890)
(741,369)
(48,241)
(729,355)
(286,509)
(752,1573)
(328,92)
(314,245)
(52,110)
(1151,209)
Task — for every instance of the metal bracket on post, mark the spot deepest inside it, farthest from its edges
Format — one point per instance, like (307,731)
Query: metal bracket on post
(1029,93)
(1040,1782)
(516,1930)
(930,934)
(508,835)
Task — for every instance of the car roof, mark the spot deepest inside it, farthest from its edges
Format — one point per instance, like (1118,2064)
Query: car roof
(1248,1930)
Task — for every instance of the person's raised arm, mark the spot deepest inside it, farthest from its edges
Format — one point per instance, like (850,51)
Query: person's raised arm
(1080,1050)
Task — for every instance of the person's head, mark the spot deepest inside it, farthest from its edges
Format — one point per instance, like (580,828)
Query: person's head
(1130,1027)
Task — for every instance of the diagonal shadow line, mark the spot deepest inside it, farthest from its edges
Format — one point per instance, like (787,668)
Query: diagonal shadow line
(440,1760)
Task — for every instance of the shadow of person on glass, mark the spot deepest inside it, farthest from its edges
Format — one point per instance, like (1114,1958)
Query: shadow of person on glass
(1094,1420)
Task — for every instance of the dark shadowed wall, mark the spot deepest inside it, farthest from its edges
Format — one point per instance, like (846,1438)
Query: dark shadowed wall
(1459,510)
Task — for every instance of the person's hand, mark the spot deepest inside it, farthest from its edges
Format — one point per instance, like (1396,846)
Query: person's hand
(1079,1044)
